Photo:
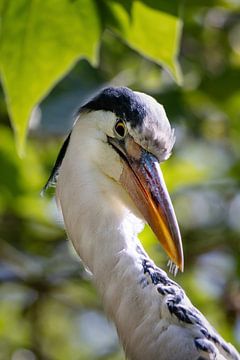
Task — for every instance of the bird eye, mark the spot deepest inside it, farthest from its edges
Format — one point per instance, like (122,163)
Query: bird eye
(120,129)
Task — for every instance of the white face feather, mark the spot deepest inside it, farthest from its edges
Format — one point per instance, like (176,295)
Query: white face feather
(92,129)
(154,134)
(89,143)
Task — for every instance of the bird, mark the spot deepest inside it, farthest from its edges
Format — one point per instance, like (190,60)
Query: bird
(109,184)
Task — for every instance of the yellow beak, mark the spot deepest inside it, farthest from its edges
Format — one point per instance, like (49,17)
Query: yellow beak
(143,180)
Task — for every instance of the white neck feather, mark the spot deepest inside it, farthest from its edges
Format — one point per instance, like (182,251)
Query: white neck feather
(104,233)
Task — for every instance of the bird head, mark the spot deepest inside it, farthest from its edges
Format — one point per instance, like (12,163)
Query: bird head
(130,136)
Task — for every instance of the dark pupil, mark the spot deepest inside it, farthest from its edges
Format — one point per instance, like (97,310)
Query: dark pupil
(120,129)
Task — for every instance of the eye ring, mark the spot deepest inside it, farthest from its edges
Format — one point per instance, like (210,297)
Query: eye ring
(120,129)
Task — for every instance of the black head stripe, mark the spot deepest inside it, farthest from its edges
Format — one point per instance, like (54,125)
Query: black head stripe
(120,100)
(53,177)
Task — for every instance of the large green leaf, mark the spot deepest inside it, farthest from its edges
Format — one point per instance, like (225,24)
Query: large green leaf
(40,41)
(151,27)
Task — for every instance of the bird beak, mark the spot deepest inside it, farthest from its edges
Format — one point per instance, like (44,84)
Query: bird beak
(143,180)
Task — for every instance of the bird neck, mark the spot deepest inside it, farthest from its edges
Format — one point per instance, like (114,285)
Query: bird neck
(104,233)
(106,240)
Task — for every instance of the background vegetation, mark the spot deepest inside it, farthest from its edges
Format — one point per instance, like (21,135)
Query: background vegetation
(53,55)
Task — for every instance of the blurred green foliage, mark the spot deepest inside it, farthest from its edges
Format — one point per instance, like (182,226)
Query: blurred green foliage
(49,309)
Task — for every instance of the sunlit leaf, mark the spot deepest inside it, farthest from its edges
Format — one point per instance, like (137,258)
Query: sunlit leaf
(152,28)
(40,41)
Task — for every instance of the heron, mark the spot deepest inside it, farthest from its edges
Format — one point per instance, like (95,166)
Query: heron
(108,185)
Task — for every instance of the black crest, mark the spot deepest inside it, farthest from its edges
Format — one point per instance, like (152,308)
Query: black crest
(122,101)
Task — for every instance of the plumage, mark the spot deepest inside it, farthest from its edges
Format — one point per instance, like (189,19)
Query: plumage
(154,318)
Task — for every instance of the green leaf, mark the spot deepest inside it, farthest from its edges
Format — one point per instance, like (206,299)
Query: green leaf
(151,27)
(40,41)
